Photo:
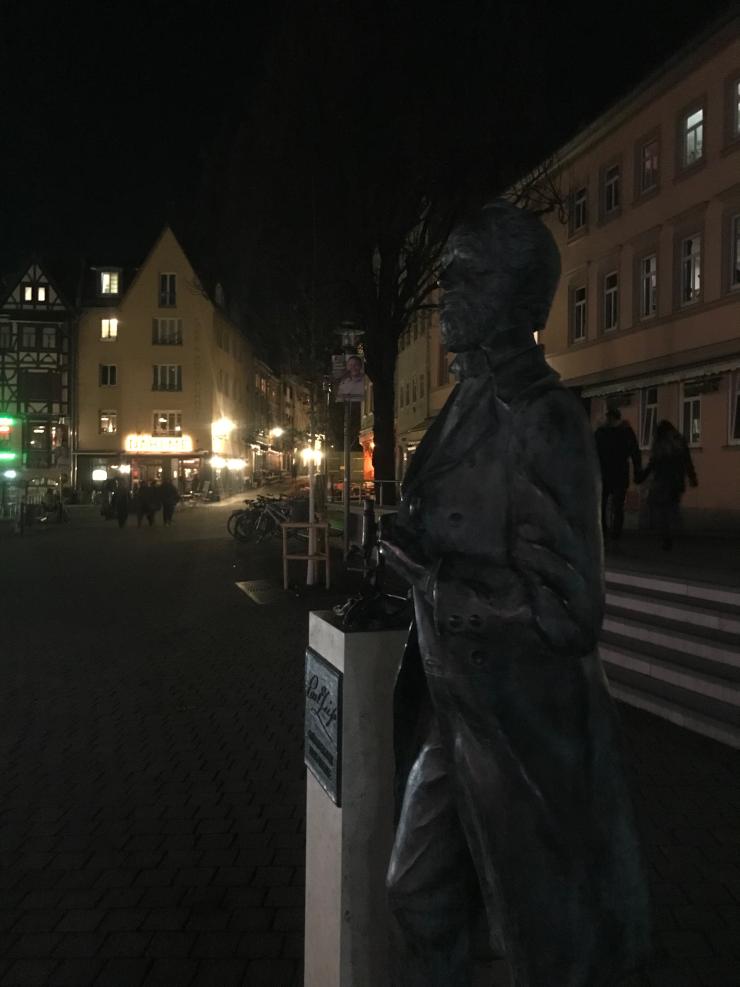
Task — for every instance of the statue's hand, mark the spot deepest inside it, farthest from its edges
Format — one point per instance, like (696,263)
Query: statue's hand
(419,576)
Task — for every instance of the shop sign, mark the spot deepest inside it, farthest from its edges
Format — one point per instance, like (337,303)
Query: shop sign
(158,443)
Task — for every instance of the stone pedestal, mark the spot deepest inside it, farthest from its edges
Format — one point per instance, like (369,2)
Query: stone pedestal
(348,847)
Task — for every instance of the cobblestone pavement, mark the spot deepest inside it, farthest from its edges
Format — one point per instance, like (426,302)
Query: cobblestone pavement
(152,786)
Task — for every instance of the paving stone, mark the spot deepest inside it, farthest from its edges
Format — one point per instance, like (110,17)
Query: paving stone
(164,944)
(124,971)
(173,971)
(123,919)
(81,920)
(75,973)
(221,973)
(271,973)
(34,945)
(28,973)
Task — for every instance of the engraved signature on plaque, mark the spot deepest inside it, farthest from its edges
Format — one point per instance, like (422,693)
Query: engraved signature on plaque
(323,723)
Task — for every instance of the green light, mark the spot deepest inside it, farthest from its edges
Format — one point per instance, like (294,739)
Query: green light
(7,421)
(8,455)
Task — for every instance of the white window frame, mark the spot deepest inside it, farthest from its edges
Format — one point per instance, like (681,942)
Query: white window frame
(648,416)
(691,402)
(611,301)
(735,252)
(733,424)
(692,137)
(104,370)
(648,306)
(167,377)
(174,422)
(109,282)
(28,332)
(736,109)
(167,332)
(612,177)
(645,159)
(167,289)
(579,314)
(580,209)
(690,261)
(112,416)
(108,330)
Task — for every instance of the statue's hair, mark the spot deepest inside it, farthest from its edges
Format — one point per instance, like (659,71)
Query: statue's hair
(516,246)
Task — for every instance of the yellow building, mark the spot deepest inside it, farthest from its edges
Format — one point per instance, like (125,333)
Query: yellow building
(647,313)
(162,378)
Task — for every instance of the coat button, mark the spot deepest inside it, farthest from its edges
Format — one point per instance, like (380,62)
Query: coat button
(477,658)
(455,519)
(474,620)
(455,621)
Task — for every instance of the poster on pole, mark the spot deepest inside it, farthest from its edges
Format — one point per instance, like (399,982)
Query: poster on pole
(348,374)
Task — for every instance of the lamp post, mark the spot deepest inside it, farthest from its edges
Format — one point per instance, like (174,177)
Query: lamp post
(350,338)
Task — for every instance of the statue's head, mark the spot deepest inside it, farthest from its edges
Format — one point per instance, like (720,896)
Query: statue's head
(499,275)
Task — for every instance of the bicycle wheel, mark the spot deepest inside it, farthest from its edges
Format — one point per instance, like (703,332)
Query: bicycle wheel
(245,526)
(233,520)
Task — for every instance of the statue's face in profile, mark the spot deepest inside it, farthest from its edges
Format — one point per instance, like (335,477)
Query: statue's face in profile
(472,296)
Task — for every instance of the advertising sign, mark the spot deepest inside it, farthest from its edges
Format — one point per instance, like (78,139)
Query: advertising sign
(348,373)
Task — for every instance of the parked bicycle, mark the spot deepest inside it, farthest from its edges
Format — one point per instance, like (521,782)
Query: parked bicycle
(262,518)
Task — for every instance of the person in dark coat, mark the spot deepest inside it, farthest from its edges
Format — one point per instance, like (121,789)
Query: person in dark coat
(511,786)
(121,503)
(169,496)
(150,500)
(669,466)
(616,445)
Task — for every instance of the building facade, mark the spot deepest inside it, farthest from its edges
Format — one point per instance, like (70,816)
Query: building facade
(647,313)
(36,394)
(162,378)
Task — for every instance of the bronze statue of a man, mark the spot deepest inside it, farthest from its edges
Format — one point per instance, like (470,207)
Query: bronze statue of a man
(511,787)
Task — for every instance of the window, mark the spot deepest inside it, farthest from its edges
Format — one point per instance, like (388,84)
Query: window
(49,338)
(167,377)
(649,166)
(648,415)
(108,375)
(735,406)
(421,385)
(28,338)
(611,300)
(648,286)
(735,251)
(611,189)
(167,332)
(579,212)
(27,292)
(109,282)
(167,423)
(408,394)
(109,329)
(167,290)
(691,417)
(735,110)
(690,269)
(692,138)
(41,293)
(107,422)
(400,396)
(578,314)
(7,336)
(442,370)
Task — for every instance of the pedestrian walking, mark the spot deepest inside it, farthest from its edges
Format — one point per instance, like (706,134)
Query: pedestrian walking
(137,502)
(150,500)
(669,466)
(169,497)
(121,504)
(616,444)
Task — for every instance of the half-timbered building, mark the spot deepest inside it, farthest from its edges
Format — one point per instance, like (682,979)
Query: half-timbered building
(35,381)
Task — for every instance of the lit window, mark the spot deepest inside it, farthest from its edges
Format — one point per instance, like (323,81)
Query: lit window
(167,377)
(167,423)
(27,292)
(691,419)
(611,189)
(648,415)
(109,329)
(690,270)
(693,137)
(735,406)
(167,290)
(611,300)
(579,314)
(579,210)
(41,293)
(735,252)
(648,286)
(649,166)
(108,375)
(109,282)
(107,422)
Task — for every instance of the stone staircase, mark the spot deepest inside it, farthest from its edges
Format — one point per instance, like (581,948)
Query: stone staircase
(672,647)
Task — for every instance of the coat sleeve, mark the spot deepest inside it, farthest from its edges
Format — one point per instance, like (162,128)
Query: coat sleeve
(546,590)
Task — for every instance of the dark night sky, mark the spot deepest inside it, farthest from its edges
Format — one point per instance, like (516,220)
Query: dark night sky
(109,108)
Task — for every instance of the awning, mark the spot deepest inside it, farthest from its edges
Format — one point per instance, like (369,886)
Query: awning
(695,372)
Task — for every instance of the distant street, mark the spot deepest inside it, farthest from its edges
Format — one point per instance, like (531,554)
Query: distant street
(152,784)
